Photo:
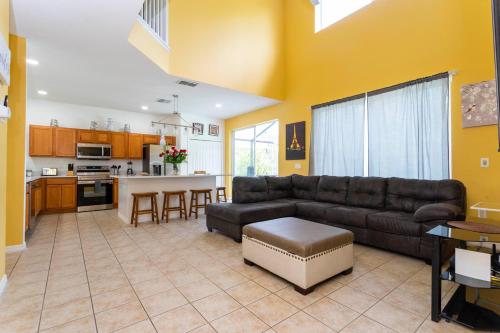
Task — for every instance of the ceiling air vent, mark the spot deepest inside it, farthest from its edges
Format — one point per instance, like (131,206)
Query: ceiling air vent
(187,83)
(163,100)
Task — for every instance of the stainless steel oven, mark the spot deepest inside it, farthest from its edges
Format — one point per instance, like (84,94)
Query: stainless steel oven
(94,188)
(92,151)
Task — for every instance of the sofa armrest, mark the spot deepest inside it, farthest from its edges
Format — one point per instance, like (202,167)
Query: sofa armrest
(438,211)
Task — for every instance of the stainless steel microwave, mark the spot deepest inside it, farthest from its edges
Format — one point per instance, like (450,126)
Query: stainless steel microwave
(92,151)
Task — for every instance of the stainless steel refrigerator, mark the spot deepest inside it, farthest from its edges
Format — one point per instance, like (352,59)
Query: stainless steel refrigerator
(152,163)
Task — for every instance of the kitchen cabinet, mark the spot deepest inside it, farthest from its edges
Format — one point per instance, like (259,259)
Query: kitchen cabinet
(60,194)
(93,136)
(41,140)
(151,139)
(115,193)
(119,145)
(64,142)
(171,140)
(135,146)
(27,212)
(37,191)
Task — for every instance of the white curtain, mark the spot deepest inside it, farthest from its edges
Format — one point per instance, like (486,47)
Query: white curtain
(408,131)
(337,139)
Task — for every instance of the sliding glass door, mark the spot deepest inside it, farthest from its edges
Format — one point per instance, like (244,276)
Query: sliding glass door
(255,150)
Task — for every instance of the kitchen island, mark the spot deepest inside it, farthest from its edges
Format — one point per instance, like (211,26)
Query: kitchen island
(134,184)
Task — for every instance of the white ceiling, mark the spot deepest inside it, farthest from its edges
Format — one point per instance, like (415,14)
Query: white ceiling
(85,58)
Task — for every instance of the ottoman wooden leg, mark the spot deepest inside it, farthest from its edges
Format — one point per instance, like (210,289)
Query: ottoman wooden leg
(304,291)
(248,262)
(347,271)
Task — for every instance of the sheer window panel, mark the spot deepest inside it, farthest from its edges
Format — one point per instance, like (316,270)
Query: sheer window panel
(337,146)
(208,156)
(408,131)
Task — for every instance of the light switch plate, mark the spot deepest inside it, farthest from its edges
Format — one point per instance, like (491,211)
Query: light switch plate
(485,162)
(298,166)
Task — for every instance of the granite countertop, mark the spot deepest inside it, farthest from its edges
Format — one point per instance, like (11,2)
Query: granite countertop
(33,178)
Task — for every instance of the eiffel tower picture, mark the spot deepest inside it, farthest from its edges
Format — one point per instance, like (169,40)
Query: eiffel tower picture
(295,141)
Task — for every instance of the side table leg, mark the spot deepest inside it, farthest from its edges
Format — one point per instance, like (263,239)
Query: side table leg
(436,279)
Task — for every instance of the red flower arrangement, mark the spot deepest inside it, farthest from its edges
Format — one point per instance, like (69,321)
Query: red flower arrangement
(174,155)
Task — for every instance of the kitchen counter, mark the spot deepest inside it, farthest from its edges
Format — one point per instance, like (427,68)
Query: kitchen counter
(167,176)
(33,178)
(136,184)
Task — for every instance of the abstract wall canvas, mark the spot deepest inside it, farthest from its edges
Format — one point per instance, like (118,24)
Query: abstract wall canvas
(296,141)
(479,104)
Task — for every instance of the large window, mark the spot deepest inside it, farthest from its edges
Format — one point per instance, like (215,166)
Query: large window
(401,131)
(255,150)
(329,12)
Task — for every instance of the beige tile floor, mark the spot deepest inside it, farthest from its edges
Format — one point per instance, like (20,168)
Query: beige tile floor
(90,272)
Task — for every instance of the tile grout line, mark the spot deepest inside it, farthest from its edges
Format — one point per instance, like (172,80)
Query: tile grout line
(48,272)
(86,272)
(128,280)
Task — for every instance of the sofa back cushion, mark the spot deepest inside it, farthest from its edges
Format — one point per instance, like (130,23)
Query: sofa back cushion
(367,192)
(410,194)
(333,189)
(249,189)
(279,187)
(305,187)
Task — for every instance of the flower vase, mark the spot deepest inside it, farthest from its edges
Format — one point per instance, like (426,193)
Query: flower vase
(164,168)
(176,169)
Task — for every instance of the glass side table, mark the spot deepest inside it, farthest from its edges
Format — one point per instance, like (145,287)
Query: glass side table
(458,309)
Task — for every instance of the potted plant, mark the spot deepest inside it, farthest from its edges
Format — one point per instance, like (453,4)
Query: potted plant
(174,156)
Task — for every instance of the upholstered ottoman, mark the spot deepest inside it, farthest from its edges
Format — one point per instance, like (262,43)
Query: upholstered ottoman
(303,252)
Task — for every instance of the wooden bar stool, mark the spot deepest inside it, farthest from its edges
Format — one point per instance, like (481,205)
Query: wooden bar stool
(221,194)
(135,207)
(166,204)
(194,204)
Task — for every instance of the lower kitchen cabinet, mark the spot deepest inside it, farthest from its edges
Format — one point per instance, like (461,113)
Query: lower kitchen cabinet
(60,194)
(115,192)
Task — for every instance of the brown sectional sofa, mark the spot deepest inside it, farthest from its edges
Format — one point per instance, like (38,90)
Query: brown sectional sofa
(389,213)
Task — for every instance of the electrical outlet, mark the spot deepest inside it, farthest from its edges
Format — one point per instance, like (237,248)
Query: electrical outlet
(482,213)
(298,166)
(485,162)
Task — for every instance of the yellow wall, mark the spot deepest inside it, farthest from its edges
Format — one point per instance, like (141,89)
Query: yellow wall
(4,30)
(236,44)
(16,142)
(386,43)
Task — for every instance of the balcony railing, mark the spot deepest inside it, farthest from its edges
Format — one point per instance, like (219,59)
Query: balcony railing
(154,15)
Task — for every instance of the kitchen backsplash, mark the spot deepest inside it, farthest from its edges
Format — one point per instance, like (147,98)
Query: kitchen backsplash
(37,163)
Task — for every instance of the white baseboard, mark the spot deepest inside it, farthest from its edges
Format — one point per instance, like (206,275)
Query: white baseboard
(15,248)
(3,283)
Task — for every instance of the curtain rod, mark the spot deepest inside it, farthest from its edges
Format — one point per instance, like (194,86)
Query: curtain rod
(387,89)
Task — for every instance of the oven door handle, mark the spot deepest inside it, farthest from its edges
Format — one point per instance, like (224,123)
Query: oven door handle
(89,182)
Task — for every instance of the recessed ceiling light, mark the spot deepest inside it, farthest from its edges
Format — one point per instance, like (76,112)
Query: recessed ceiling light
(42,92)
(144,107)
(33,62)
(218,105)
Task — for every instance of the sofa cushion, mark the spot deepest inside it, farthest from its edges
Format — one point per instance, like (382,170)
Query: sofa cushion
(252,212)
(353,216)
(293,200)
(279,187)
(333,189)
(305,187)
(394,222)
(366,192)
(249,189)
(313,209)
(438,211)
(410,194)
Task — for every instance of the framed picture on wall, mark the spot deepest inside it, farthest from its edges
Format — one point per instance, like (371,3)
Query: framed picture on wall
(213,130)
(198,128)
(296,141)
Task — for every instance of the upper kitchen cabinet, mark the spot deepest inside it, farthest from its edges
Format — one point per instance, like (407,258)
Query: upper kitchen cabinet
(41,140)
(135,142)
(64,142)
(92,136)
(119,145)
(151,139)
(171,140)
